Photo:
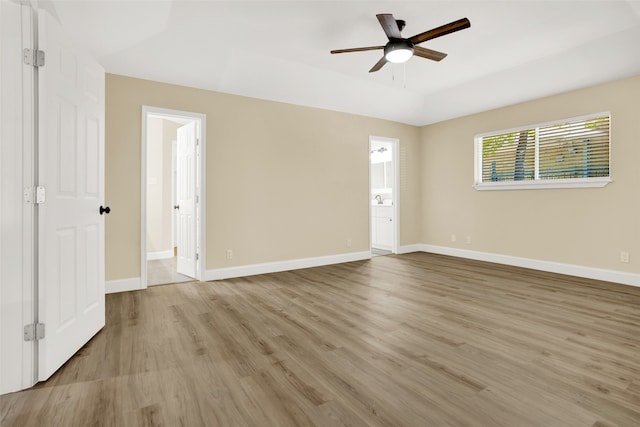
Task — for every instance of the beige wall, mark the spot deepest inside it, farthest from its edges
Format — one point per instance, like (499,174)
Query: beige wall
(160,134)
(283,182)
(169,134)
(587,227)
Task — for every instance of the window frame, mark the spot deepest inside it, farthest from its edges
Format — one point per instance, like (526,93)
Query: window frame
(538,183)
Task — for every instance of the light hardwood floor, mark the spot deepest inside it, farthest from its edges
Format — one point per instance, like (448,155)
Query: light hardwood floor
(411,340)
(164,271)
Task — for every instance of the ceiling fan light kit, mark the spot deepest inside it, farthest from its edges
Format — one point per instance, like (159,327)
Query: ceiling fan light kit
(399,49)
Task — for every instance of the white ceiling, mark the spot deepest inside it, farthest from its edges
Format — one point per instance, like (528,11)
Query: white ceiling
(279,50)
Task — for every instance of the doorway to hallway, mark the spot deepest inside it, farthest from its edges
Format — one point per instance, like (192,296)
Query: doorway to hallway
(172,197)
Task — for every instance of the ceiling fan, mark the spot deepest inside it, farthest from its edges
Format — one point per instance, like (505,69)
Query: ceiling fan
(399,49)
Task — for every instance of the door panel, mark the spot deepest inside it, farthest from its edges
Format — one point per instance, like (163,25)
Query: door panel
(186,186)
(71,169)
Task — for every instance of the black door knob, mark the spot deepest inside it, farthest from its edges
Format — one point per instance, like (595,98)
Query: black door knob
(176,206)
(104,210)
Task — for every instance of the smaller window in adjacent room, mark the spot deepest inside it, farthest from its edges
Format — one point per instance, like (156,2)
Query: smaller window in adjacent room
(565,153)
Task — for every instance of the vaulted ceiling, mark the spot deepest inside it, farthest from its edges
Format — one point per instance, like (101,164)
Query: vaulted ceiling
(279,50)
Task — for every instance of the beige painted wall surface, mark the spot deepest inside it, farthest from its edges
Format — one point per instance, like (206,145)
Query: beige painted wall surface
(160,134)
(169,134)
(283,182)
(587,227)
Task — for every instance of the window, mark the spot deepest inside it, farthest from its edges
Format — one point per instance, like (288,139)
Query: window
(565,153)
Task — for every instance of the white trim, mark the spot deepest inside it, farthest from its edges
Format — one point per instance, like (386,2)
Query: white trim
(202,250)
(405,249)
(159,255)
(544,184)
(143,201)
(123,285)
(278,266)
(615,276)
(18,123)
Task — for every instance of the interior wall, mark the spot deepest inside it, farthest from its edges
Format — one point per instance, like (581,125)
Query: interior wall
(169,134)
(584,227)
(160,134)
(284,182)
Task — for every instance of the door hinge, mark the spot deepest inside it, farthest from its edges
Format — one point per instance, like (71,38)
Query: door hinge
(40,194)
(33,57)
(34,332)
(197,257)
(35,195)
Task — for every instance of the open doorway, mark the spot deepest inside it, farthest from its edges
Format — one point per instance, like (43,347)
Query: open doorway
(383,189)
(172,196)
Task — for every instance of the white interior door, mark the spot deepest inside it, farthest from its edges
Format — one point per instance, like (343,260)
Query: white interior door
(71,227)
(186,195)
(174,197)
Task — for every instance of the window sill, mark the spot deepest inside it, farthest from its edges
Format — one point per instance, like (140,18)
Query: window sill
(544,184)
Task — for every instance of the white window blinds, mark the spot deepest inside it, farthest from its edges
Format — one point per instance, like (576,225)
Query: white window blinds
(577,149)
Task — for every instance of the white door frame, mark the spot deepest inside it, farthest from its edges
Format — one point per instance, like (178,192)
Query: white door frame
(18,116)
(201,206)
(395,161)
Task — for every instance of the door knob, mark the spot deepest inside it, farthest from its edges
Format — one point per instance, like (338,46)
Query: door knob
(176,206)
(104,210)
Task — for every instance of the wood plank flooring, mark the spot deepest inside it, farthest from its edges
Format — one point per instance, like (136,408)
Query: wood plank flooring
(410,340)
(164,271)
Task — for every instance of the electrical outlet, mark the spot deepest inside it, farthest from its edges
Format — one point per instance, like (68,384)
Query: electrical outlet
(468,240)
(453,238)
(348,243)
(229,254)
(624,257)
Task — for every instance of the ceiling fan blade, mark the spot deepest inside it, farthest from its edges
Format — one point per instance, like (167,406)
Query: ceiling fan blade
(357,49)
(378,65)
(423,52)
(389,25)
(449,28)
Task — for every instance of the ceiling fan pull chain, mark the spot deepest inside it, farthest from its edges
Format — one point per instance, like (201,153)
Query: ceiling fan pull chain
(404,66)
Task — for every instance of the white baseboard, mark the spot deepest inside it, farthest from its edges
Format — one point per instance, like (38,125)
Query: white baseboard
(615,276)
(159,255)
(383,247)
(416,247)
(275,267)
(122,285)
